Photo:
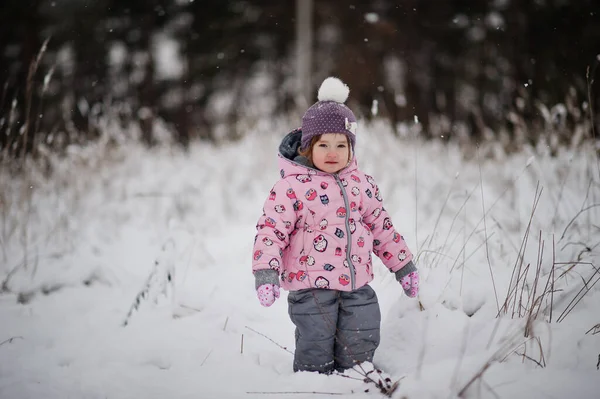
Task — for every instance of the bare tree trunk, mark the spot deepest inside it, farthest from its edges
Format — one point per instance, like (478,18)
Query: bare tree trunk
(304,51)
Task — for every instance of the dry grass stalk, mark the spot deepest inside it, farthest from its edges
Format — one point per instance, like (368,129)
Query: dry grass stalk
(10,340)
(513,285)
(590,81)
(542,360)
(29,95)
(205,358)
(263,335)
(296,393)
(594,330)
(532,300)
(487,249)
(580,294)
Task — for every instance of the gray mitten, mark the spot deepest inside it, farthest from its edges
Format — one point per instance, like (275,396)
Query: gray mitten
(267,286)
(408,277)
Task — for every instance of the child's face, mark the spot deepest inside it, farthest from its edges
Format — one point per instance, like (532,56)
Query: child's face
(331,153)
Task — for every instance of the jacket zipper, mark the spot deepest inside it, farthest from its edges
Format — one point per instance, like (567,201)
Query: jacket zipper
(347,222)
(348,233)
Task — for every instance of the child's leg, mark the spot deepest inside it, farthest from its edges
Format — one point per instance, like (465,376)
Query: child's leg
(358,325)
(314,312)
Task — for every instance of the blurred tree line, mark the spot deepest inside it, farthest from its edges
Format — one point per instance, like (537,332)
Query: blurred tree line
(515,71)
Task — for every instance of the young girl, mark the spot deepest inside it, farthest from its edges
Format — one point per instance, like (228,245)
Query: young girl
(320,224)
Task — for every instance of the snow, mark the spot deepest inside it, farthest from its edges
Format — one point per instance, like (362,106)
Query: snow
(112,224)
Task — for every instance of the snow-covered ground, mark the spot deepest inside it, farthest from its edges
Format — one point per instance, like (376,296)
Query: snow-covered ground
(175,232)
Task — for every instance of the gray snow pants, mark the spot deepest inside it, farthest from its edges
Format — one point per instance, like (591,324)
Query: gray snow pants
(334,329)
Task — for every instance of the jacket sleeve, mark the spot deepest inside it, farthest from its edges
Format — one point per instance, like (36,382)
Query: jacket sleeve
(273,234)
(388,244)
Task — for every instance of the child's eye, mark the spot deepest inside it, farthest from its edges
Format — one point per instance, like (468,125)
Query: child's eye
(322,145)
(341,145)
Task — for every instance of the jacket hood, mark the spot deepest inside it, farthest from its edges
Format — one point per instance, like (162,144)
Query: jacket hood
(292,163)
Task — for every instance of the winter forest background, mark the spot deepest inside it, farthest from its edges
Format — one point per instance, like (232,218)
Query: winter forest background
(138,142)
(513,71)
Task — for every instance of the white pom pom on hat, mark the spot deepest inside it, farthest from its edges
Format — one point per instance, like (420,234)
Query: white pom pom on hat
(333,89)
(329,114)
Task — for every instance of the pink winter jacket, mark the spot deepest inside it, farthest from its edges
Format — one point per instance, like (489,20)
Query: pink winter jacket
(318,229)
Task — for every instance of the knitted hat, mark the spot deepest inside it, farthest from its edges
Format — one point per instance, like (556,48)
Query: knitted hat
(329,114)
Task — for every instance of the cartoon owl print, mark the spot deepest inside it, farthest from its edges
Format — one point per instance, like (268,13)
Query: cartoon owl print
(320,243)
(270,222)
(307,260)
(341,212)
(402,255)
(311,194)
(355,191)
(274,264)
(272,195)
(387,223)
(290,193)
(329,267)
(279,208)
(324,199)
(279,234)
(307,228)
(352,224)
(267,241)
(355,178)
(298,205)
(378,194)
(321,282)
(303,178)
(323,224)
(344,279)
(371,181)
(324,185)
(300,275)
(377,212)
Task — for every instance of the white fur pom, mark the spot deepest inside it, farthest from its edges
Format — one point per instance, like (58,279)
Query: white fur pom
(333,89)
